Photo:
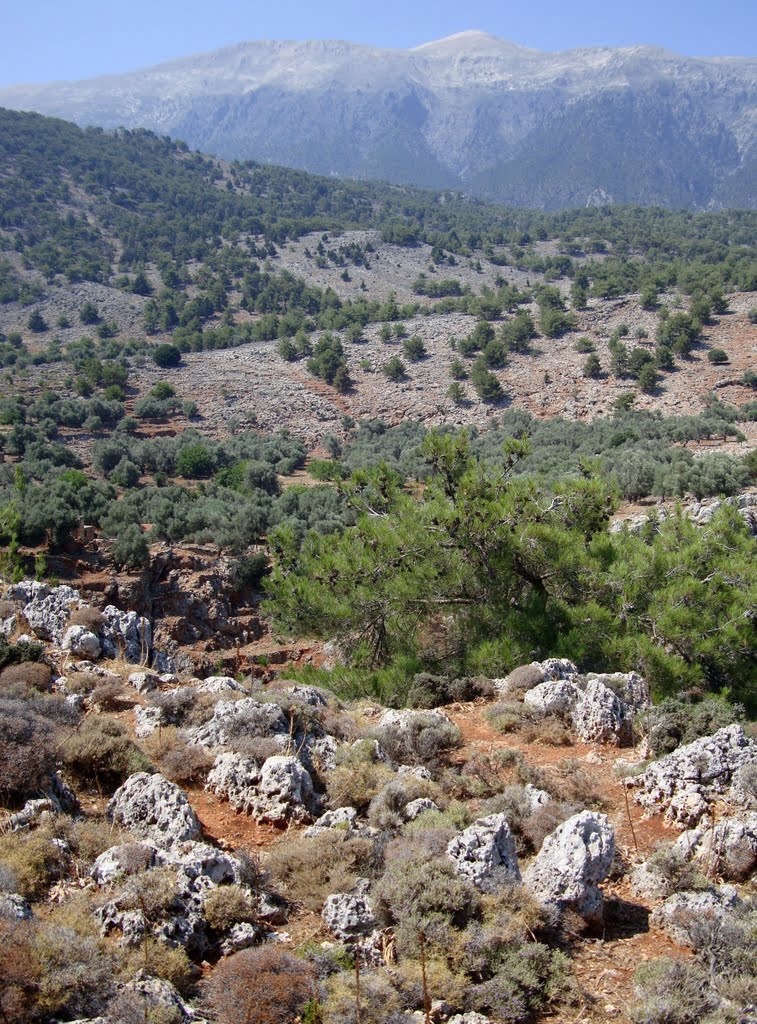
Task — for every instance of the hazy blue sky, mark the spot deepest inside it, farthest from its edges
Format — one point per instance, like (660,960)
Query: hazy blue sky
(45,40)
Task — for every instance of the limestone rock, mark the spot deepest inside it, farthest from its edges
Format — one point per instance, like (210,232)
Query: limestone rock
(159,994)
(234,777)
(144,682)
(81,642)
(680,914)
(553,697)
(46,609)
(285,791)
(632,688)
(118,861)
(349,916)
(217,684)
(484,853)
(152,807)
(240,936)
(147,721)
(247,717)
(126,633)
(573,860)
(729,849)
(601,717)
(684,783)
(417,807)
(343,818)
(14,906)
(557,668)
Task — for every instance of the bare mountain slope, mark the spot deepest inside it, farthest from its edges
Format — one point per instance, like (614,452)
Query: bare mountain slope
(471,112)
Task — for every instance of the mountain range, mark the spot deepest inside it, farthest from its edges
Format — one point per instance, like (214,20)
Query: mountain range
(470,112)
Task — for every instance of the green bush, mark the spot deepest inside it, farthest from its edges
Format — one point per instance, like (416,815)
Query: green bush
(100,751)
(166,355)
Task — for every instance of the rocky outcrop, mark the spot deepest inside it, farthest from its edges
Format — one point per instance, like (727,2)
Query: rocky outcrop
(127,634)
(246,718)
(727,850)
(601,717)
(46,609)
(573,861)
(683,913)
(14,906)
(553,697)
(81,642)
(485,853)
(155,809)
(343,818)
(684,783)
(279,791)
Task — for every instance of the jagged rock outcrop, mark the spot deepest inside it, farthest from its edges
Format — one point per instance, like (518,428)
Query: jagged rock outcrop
(728,849)
(46,609)
(684,783)
(277,791)
(121,861)
(152,807)
(602,717)
(81,642)
(246,718)
(573,861)
(343,818)
(683,912)
(484,853)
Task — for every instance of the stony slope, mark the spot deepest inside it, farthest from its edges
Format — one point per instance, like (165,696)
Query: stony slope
(471,111)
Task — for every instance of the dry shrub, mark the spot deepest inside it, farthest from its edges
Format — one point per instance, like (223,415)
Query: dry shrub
(132,1007)
(226,906)
(511,716)
(7,608)
(100,750)
(33,675)
(28,752)
(33,859)
(161,961)
(309,870)
(259,986)
(186,764)
(77,973)
(421,740)
(535,829)
(82,682)
(571,782)
(90,618)
(385,810)
(358,776)
(521,680)
(19,971)
(550,732)
(672,992)
(184,706)
(676,873)
(108,694)
(152,892)
(379,1002)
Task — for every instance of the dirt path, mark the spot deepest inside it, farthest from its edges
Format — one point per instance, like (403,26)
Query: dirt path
(604,966)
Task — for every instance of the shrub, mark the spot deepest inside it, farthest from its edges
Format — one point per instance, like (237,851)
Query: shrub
(672,992)
(259,986)
(422,739)
(357,778)
(166,355)
(309,870)
(101,751)
(422,894)
(162,961)
(677,721)
(717,356)
(19,971)
(675,872)
(33,859)
(226,906)
(90,618)
(379,1002)
(525,978)
(430,691)
(394,369)
(185,764)
(33,674)
(385,810)
(28,751)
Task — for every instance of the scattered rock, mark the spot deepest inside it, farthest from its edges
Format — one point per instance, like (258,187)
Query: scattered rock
(14,906)
(217,684)
(152,807)
(484,853)
(344,818)
(127,859)
(417,807)
(573,860)
(279,791)
(144,682)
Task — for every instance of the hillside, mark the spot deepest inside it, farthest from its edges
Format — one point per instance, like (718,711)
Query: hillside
(377,599)
(471,112)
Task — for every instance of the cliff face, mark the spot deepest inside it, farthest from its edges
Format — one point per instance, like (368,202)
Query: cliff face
(470,112)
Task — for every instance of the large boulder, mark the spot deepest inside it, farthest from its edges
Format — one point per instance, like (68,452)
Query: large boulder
(342,818)
(553,697)
(484,853)
(217,684)
(154,809)
(686,782)
(557,668)
(81,642)
(349,915)
(572,862)
(121,861)
(683,912)
(600,716)
(279,791)
(632,688)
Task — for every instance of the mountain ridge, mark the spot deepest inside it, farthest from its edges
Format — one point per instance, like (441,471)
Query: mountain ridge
(466,112)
